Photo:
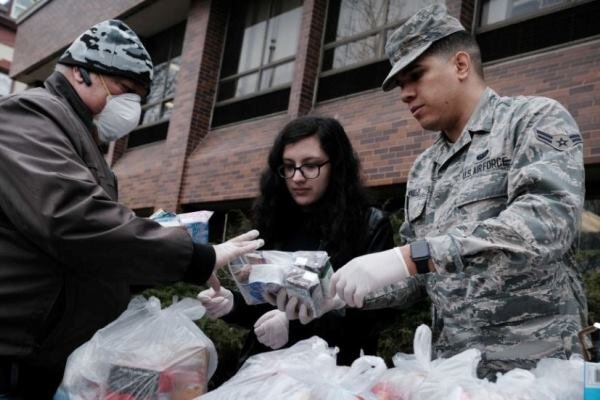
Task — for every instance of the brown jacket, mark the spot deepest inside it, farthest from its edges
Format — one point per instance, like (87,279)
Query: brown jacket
(69,252)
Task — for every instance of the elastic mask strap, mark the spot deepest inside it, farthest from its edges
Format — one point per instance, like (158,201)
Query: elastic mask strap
(105,87)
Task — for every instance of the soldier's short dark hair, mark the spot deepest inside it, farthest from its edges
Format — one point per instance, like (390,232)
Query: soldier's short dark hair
(458,41)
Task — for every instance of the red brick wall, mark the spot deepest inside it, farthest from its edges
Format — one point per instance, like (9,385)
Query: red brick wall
(195,94)
(138,172)
(306,69)
(570,75)
(7,36)
(50,29)
(225,163)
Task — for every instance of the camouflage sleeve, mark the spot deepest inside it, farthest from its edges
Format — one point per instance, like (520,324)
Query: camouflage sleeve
(545,194)
(401,295)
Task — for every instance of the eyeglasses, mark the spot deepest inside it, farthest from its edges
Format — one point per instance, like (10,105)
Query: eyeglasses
(308,171)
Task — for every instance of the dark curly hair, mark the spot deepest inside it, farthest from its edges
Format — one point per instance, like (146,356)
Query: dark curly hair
(338,217)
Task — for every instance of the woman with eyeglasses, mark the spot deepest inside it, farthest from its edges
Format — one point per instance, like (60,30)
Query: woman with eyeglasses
(311,198)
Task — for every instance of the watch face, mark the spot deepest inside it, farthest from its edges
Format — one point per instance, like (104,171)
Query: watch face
(419,250)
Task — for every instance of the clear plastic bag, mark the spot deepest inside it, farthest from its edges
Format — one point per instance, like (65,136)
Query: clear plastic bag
(304,371)
(303,274)
(196,223)
(146,353)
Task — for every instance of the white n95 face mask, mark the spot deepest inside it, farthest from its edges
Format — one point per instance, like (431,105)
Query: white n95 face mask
(119,117)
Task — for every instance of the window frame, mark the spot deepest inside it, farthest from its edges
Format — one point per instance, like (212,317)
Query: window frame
(478,28)
(256,70)
(16,4)
(163,99)
(380,31)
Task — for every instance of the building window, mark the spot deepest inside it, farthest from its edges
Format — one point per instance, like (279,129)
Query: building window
(494,11)
(5,6)
(258,60)
(509,27)
(165,50)
(20,6)
(5,84)
(354,47)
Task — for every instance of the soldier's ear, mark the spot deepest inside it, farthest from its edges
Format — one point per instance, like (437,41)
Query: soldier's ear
(462,64)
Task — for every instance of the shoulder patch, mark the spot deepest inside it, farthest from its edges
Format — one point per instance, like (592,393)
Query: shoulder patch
(560,141)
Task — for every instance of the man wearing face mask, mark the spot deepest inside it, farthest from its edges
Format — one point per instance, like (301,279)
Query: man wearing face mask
(69,252)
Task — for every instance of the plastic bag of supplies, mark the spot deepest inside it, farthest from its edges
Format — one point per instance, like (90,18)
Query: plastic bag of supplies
(304,371)
(146,353)
(417,377)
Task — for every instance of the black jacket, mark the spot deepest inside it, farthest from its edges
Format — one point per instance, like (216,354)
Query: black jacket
(350,329)
(68,250)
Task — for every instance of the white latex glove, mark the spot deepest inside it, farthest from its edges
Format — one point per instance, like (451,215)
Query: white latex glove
(236,247)
(296,309)
(365,274)
(217,303)
(272,329)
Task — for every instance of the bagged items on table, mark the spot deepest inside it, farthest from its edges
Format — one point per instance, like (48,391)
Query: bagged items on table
(305,371)
(196,223)
(303,274)
(147,353)
(418,377)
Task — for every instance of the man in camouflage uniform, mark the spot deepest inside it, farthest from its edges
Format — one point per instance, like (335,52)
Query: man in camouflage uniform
(492,208)
(69,252)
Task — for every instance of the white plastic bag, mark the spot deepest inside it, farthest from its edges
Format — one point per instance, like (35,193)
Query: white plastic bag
(417,377)
(304,371)
(145,353)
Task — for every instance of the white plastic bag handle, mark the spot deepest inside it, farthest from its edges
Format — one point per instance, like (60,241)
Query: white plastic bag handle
(422,346)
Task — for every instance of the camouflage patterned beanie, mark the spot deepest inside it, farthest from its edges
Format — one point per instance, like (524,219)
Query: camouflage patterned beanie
(111,47)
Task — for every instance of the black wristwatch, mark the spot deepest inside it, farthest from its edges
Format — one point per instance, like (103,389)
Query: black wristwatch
(419,252)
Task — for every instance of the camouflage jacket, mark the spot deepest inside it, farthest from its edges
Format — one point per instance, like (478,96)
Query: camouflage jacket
(500,209)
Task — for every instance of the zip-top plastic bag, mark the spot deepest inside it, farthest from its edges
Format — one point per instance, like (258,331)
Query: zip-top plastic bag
(146,353)
(302,274)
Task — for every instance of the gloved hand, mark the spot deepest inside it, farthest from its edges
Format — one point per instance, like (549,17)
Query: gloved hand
(272,329)
(236,247)
(365,274)
(217,303)
(295,309)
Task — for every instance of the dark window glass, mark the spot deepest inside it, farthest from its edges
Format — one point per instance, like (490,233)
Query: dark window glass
(258,62)
(354,51)
(165,50)
(494,11)
(262,41)
(522,26)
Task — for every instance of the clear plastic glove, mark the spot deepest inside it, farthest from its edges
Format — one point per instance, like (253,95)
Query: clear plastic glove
(296,309)
(236,247)
(365,274)
(272,329)
(217,303)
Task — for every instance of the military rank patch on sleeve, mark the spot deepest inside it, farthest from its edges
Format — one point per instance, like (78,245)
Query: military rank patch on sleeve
(560,141)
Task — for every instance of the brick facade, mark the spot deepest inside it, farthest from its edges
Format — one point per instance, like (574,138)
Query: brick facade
(47,32)
(197,164)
